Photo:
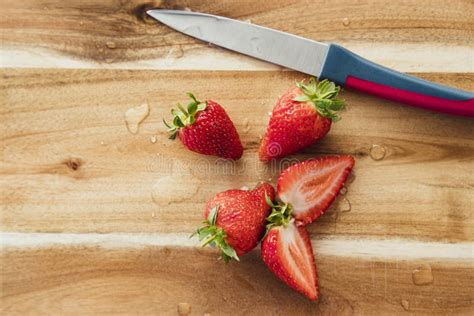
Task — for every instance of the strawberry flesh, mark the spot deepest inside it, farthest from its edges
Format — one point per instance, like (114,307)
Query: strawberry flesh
(288,254)
(311,186)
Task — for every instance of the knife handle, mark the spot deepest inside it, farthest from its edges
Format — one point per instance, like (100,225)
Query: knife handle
(350,70)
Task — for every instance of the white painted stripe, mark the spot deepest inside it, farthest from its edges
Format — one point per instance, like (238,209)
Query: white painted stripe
(340,246)
(421,57)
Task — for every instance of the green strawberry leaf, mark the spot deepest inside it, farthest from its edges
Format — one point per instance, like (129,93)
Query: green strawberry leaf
(214,236)
(212,216)
(183,117)
(301,98)
(281,214)
(323,96)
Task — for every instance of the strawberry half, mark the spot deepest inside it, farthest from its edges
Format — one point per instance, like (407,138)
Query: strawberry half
(235,220)
(309,187)
(205,128)
(286,250)
(301,117)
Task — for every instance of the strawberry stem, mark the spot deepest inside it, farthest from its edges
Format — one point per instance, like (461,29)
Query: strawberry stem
(184,117)
(214,236)
(280,215)
(323,96)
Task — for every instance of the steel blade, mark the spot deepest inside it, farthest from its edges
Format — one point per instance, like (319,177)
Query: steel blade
(277,47)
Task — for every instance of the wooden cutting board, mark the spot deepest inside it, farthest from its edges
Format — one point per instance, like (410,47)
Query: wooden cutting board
(96,219)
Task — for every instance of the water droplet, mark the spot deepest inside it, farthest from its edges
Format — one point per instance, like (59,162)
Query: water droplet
(81,23)
(184,308)
(244,188)
(153,214)
(270,179)
(255,41)
(246,124)
(346,21)
(194,31)
(174,53)
(344,205)
(180,52)
(153,139)
(343,191)
(422,275)
(161,193)
(405,304)
(111,45)
(269,113)
(377,152)
(134,116)
(350,178)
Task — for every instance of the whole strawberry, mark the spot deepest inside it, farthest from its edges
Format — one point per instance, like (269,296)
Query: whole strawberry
(205,128)
(235,220)
(286,250)
(301,117)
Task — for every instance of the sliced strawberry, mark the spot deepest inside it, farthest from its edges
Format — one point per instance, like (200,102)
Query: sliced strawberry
(287,251)
(311,186)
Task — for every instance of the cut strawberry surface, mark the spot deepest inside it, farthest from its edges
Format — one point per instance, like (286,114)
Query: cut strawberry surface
(311,186)
(287,252)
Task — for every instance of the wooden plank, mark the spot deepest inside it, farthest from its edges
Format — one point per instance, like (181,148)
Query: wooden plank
(148,280)
(70,165)
(426,35)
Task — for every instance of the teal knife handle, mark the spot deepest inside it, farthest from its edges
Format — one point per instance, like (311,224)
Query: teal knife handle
(350,70)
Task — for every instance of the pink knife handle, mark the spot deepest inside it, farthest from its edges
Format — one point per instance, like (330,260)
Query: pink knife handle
(457,107)
(348,69)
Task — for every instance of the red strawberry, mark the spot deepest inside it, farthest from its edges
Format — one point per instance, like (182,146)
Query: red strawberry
(205,128)
(301,117)
(235,220)
(286,250)
(309,187)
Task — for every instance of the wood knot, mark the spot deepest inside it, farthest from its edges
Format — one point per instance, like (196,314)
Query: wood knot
(73,163)
(139,11)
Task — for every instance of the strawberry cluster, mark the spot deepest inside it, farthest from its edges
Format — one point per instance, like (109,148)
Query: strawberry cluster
(237,220)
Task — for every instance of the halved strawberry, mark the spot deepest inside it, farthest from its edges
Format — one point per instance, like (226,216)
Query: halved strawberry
(286,250)
(309,187)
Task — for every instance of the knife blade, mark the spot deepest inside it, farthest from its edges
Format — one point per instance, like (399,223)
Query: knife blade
(253,40)
(329,61)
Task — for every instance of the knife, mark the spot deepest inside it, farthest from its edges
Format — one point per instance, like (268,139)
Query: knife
(325,61)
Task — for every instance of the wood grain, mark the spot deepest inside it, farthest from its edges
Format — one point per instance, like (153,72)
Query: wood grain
(94,220)
(153,280)
(70,165)
(436,34)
